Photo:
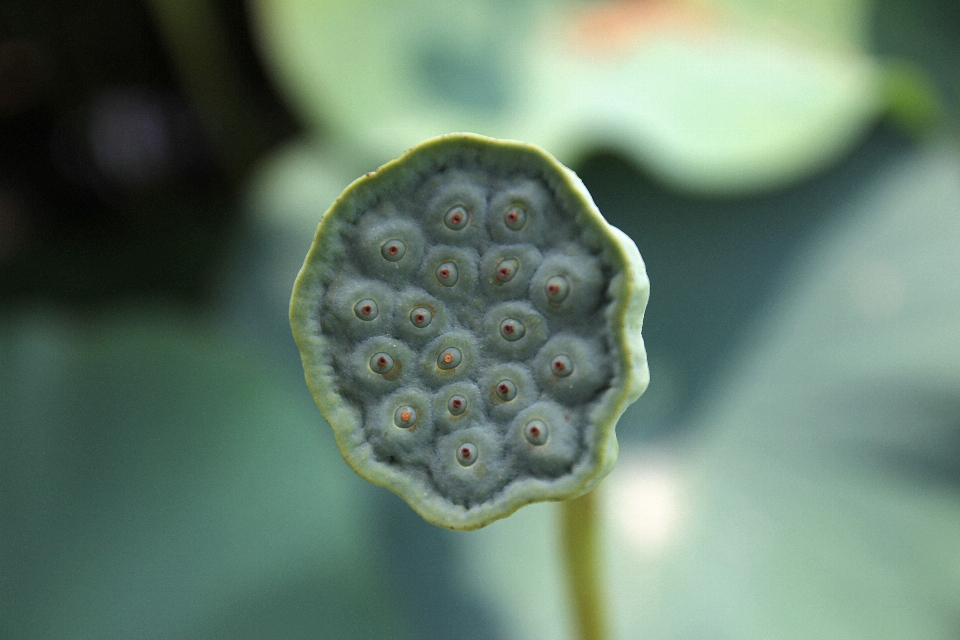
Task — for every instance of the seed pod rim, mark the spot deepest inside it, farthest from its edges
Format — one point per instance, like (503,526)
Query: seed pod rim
(628,291)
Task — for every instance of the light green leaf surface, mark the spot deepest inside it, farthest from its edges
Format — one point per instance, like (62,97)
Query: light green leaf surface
(713,99)
(819,498)
(160,480)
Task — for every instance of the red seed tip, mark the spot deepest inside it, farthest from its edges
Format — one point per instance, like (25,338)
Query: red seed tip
(393,250)
(553,289)
(382,361)
(559,366)
(508,328)
(444,273)
(457,403)
(465,452)
(405,415)
(534,431)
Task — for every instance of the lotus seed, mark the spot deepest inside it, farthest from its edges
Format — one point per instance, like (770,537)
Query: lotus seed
(447,274)
(536,432)
(421,317)
(507,269)
(456,218)
(512,330)
(381,363)
(366,309)
(558,288)
(466,454)
(506,390)
(515,218)
(561,366)
(503,315)
(393,250)
(457,405)
(449,358)
(405,417)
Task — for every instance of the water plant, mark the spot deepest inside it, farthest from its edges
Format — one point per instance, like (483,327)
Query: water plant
(470,328)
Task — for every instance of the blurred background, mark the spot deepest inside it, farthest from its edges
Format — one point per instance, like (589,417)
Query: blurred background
(789,169)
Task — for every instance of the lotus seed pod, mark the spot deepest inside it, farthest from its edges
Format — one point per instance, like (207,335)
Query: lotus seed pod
(508,388)
(545,438)
(450,357)
(359,307)
(377,365)
(419,317)
(506,270)
(470,328)
(450,273)
(469,465)
(390,248)
(400,426)
(571,369)
(458,405)
(455,206)
(521,212)
(567,286)
(514,330)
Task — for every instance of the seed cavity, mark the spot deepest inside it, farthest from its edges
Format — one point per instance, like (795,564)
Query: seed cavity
(466,454)
(449,358)
(456,218)
(561,366)
(456,405)
(393,250)
(506,269)
(558,288)
(515,218)
(512,330)
(405,417)
(536,432)
(366,309)
(381,363)
(421,317)
(447,274)
(506,390)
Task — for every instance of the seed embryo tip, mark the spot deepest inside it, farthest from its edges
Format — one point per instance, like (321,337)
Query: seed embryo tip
(381,363)
(535,432)
(447,274)
(515,218)
(512,330)
(466,454)
(405,417)
(457,405)
(366,309)
(507,269)
(449,358)
(393,250)
(506,390)
(456,218)
(421,317)
(557,289)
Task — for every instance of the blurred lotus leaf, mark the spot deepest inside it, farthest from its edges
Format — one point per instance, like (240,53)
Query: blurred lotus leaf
(726,97)
(157,479)
(819,495)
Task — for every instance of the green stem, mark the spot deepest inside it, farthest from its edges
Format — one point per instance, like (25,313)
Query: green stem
(579,539)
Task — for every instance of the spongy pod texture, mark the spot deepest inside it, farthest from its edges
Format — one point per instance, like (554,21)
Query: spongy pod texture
(470,328)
